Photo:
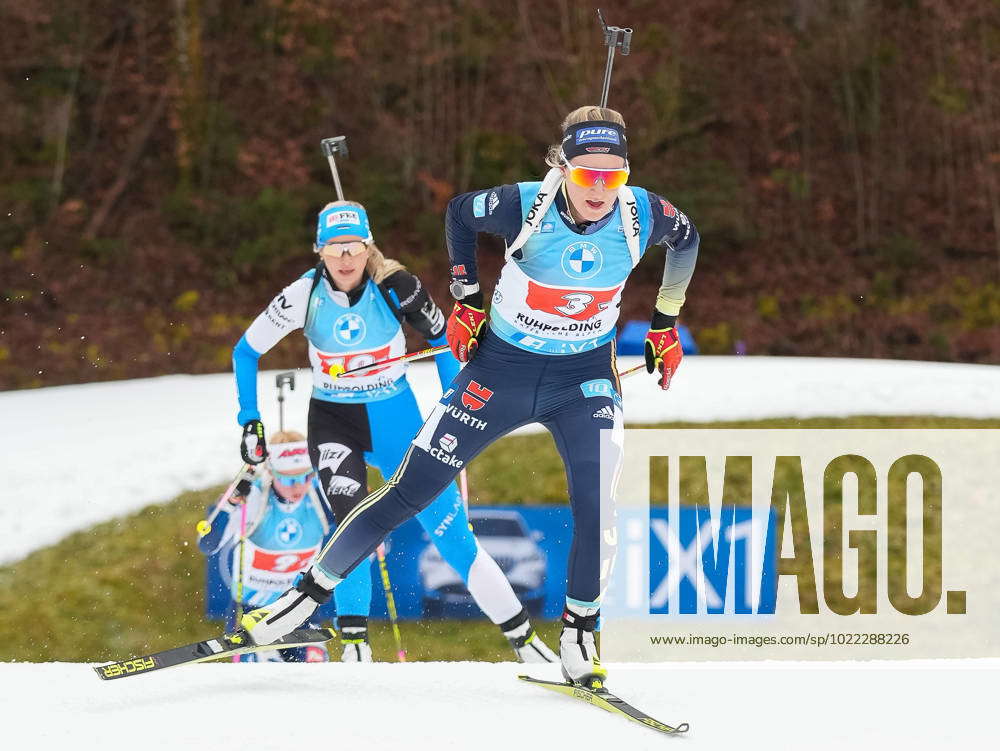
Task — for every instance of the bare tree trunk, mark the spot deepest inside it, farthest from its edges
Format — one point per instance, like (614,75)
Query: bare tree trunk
(136,146)
(853,141)
(409,103)
(986,131)
(97,116)
(875,126)
(550,81)
(946,151)
(62,145)
(190,108)
(476,101)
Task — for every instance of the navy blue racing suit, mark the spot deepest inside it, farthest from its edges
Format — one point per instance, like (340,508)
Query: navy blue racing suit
(547,357)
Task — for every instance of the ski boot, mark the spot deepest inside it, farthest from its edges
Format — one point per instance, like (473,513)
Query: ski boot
(527,645)
(577,651)
(354,637)
(296,606)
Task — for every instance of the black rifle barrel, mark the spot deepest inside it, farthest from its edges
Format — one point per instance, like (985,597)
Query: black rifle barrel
(614,37)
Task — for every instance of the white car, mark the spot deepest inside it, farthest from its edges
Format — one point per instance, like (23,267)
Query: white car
(506,537)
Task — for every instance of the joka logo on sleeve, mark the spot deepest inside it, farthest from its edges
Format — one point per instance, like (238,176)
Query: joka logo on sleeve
(475,396)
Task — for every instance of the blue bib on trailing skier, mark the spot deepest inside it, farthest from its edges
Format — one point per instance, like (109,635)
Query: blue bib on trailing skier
(343,336)
(281,546)
(561,293)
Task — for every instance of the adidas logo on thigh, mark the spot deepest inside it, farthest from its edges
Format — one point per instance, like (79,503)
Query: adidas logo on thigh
(606,412)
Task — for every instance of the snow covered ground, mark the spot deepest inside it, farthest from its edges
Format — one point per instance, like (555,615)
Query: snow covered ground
(77,455)
(482,707)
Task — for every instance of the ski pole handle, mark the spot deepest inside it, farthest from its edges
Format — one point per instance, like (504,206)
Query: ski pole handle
(205,525)
(429,352)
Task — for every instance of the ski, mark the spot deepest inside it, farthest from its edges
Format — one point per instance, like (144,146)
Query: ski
(601,697)
(210,649)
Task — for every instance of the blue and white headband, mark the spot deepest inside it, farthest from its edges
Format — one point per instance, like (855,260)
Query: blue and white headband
(342,220)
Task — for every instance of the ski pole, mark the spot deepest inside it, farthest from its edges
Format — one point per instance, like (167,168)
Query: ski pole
(390,602)
(614,37)
(463,488)
(239,579)
(280,380)
(331,146)
(631,371)
(205,525)
(429,352)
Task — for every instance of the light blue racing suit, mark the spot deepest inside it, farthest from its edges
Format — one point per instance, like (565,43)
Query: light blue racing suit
(369,419)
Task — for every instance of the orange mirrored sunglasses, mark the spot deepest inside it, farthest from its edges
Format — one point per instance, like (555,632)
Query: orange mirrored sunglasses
(588,177)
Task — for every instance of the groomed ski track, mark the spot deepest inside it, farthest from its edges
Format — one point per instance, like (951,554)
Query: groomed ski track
(482,707)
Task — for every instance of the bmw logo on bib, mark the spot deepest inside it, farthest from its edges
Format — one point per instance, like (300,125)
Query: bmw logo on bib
(582,260)
(289,531)
(349,328)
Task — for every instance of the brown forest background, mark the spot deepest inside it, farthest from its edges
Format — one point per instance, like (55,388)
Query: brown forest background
(160,167)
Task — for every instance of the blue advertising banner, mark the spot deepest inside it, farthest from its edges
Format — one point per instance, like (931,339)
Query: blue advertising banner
(530,543)
(735,579)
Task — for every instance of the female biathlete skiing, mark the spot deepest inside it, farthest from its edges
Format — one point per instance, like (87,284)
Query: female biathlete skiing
(351,307)
(283,527)
(547,356)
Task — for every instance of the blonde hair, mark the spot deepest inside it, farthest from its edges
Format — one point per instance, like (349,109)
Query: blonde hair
(582,115)
(286,436)
(378,266)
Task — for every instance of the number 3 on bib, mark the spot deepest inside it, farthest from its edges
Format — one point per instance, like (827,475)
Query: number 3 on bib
(285,562)
(575,304)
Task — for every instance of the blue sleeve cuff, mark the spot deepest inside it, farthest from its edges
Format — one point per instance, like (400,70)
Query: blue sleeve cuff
(211,542)
(245,360)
